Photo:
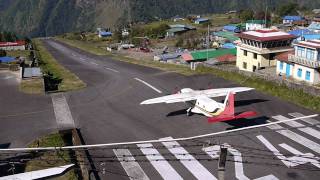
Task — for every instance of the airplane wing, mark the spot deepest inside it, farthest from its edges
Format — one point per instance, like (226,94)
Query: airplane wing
(193,95)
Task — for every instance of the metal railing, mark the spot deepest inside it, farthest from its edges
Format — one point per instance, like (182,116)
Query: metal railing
(304,61)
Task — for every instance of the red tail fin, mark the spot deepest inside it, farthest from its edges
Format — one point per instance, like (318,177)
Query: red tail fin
(229,105)
(228,113)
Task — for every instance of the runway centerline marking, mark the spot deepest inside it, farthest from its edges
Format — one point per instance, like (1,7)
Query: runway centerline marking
(111,69)
(94,63)
(149,85)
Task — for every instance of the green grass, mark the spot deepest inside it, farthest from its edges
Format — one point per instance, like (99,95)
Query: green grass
(295,96)
(51,159)
(49,65)
(32,86)
(17,53)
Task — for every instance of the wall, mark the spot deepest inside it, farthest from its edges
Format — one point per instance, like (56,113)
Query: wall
(261,61)
(9,48)
(314,76)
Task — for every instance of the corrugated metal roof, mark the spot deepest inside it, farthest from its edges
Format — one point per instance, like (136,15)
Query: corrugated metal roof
(293,18)
(175,30)
(200,55)
(32,72)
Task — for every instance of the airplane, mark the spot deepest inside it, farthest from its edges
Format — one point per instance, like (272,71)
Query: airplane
(203,104)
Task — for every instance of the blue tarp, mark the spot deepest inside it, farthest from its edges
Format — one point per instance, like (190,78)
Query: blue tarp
(6,59)
(104,33)
(228,46)
(292,18)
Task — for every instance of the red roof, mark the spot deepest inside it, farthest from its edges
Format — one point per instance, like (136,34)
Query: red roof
(311,43)
(226,58)
(266,35)
(284,56)
(187,57)
(16,43)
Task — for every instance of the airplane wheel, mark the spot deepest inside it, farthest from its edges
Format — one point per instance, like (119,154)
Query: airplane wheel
(189,113)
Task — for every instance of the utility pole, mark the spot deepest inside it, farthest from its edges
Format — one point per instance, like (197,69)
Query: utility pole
(222,162)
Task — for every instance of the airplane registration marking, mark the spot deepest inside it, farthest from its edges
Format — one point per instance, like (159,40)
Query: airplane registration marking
(149,85)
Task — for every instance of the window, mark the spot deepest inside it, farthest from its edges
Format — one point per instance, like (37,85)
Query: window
(255,55)
(299,73)
(244,65)
(245,52)
(281,65)
(300,51)
(310,54)
(308,74)
(272,56)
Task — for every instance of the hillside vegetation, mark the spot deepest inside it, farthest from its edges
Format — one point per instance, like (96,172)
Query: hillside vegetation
(52,17)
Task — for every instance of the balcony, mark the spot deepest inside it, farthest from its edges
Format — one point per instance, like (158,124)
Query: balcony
(303,61)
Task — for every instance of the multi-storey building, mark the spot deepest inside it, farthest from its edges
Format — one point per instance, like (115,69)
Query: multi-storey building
(259,48)
(303,64)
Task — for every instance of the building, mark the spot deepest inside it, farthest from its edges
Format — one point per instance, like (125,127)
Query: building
(303,64)
(258,48)
(178,29)
(235,28)
(255,25)
(17,45)
(201,21)
(203,55)
(315,25)
(291,19)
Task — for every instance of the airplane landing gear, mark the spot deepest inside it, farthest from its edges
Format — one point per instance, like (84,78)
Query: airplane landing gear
(189,113)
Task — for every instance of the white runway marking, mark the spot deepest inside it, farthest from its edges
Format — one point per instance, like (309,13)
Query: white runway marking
(112,69)
(307,120)
(301,127)
(194,166)
(94,63)
(296,137)
(147,84)
(158,162)
(62,112)
(131,167)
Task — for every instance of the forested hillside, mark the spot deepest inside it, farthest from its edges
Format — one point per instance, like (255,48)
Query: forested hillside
(51,17)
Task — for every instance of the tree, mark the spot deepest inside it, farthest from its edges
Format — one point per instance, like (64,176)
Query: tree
(246,15)
(2,53)
(289,9)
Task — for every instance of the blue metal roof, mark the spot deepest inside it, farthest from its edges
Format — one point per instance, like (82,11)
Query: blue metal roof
(293,18)
(104,33)
(230,28)
(300,32)
(7,59)
(229,46)
(314,26)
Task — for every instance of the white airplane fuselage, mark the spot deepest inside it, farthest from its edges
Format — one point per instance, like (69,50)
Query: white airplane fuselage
(205,105)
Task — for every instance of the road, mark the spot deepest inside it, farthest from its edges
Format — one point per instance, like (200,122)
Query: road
(108,111)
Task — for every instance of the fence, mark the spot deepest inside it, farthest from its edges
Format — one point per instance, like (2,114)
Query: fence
(280,80)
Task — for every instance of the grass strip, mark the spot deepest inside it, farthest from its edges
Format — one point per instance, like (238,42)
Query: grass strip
(32,86)
(297,97)
(44,160)
(66,80)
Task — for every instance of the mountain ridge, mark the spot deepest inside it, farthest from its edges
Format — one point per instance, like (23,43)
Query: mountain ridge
(52,17)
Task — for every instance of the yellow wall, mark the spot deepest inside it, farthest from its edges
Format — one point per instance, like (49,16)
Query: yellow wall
(261,61)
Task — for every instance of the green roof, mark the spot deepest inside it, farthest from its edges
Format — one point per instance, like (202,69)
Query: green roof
(226,34)
(200,55)
(256,21)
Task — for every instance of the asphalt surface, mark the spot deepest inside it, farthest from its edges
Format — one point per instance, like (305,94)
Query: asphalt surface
(108,111)
(23,117)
